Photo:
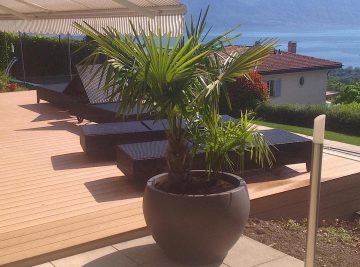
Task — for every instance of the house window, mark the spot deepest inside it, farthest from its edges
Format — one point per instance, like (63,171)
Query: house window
(271,87)
(302,80)
(274,87)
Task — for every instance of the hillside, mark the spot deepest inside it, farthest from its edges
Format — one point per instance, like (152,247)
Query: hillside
(290,14)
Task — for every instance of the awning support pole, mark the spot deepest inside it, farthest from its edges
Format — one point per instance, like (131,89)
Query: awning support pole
(22,57)
(6,49)
(69,55)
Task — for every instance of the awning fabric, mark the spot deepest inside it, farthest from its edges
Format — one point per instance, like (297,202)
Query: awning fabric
(58,16)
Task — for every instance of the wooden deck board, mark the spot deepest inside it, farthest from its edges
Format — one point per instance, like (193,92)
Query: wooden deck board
(284,192)
(262,183)
(51,196)
(54,201)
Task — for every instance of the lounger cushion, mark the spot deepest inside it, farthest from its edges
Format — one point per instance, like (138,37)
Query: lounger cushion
(58,87)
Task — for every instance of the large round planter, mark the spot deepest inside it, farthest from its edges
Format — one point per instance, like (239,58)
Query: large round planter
(197,229)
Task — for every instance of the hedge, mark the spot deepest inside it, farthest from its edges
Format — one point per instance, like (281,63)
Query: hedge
(43,56)
(339,118)
(4,57)
(3,81)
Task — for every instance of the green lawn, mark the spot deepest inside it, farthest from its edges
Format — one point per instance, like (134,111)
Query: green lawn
(345,138)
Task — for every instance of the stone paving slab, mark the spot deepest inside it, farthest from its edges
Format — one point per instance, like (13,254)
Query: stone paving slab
(144,252)
(47,264)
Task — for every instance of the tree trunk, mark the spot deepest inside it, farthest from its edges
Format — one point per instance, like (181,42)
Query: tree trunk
(178,156)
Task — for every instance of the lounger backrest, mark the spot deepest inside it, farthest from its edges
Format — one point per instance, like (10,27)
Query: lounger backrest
(93,83)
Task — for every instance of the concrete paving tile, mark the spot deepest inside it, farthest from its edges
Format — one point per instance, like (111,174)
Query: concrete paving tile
(107,257)
(146,240)
(248,252)
(47,264)
(286,261)
(143,250)
(148,254)
(173,264)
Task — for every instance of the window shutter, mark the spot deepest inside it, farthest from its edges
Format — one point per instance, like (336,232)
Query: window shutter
(277,87)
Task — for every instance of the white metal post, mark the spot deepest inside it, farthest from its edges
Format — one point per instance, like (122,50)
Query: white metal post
(69,56)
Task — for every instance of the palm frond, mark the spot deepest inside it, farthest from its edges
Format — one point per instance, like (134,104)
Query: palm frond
(179,79)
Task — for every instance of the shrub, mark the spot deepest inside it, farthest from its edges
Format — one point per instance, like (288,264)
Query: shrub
(293,225)
(3,52)
(11,87)
(3,81)
(334,84)
(244,94)
(339,118)
(349,94)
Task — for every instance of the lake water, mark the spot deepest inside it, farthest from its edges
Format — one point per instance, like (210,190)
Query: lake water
(337,45)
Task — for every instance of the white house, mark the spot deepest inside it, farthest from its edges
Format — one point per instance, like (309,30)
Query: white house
(294,78)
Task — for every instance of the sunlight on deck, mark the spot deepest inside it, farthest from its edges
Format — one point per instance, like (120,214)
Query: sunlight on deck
(51,196)
(54,201)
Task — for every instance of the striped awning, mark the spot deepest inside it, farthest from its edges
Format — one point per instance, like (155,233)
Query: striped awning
(58,16)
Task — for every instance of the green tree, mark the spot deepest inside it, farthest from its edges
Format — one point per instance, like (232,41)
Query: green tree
(347,75)
(349,94)
(334,84)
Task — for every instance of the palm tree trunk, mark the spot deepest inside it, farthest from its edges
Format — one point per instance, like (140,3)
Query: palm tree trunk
(177,152)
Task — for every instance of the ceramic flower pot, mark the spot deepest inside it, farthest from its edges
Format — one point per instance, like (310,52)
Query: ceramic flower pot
(197,229)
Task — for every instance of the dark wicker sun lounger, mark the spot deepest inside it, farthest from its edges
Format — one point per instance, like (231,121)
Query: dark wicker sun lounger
(44,91)
(58,94)
(99,140)
(141,161)
(84,98)
(104,113)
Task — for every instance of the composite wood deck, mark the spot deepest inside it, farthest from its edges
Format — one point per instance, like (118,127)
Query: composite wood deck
(283,192)
(55,202)
(51,196)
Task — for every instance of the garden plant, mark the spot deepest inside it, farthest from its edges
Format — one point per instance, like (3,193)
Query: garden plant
(180,80)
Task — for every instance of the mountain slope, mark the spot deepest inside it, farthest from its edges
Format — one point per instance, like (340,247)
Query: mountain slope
(280,13)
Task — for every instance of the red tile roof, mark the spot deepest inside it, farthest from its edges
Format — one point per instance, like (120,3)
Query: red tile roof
(286,62)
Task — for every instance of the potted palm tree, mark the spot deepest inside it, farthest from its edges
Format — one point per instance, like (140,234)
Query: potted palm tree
(195,216)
